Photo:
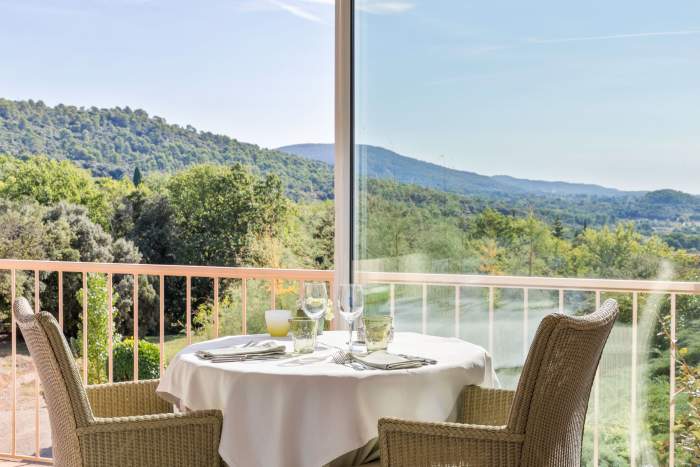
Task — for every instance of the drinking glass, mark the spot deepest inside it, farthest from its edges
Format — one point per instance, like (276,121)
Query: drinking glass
(304,334)
(377,332)
(315,301)
(351,302)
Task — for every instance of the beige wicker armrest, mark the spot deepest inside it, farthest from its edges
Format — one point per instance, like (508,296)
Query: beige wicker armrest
(481,406)
(177,440)
(405,443)
(126,399)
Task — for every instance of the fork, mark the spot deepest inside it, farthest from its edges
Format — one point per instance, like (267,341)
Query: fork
(343,358)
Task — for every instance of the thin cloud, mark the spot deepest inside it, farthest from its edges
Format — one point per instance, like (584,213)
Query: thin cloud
(321,2)
(384,8)
(296,11)
(373,6)
(689,32)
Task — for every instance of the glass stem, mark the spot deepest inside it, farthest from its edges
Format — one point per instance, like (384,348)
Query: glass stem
(350,328)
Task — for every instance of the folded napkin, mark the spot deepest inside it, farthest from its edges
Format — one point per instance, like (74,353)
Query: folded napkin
(261,351)
(383,360)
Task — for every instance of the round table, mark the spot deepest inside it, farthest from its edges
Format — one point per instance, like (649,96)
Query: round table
(306,411)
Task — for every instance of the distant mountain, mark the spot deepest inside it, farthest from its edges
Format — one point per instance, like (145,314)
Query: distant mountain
(382,163)
(113,142)
(318,152)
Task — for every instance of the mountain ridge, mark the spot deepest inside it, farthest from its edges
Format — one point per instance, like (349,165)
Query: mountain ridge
(385,163)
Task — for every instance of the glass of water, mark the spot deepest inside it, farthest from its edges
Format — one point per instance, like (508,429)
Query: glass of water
(304,334)
(377,332)
(315,301)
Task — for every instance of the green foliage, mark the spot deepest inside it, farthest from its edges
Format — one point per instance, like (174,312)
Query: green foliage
(49,182)
(558,228)
(137,178)
(687,425)
(149,360)
(219,212)
(112,142)
(97,325)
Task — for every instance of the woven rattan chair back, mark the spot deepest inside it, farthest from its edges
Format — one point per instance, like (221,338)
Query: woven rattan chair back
(65,395)
(551,400)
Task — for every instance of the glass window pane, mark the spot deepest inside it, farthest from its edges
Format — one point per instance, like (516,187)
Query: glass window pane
(536,140)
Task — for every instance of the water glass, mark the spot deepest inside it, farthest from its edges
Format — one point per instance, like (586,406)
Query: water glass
(315,302)
(304,334)
(351,302)
(377,332)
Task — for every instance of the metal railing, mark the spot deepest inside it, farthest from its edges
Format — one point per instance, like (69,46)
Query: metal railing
(672,289)
(215,274)
(391,280)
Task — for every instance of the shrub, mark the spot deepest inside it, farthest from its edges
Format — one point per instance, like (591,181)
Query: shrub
(149,360)
(97,338)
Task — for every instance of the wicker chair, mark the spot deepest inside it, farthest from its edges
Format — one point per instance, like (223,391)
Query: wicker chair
(111,424)
(538,425)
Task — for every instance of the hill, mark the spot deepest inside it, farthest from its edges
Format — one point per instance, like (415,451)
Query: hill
(113,142)
(386,164)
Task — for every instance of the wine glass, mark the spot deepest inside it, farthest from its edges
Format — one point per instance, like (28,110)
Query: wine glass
(351,301)
(315,301)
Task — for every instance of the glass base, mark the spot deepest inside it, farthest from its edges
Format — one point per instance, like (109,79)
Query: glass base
(358,347)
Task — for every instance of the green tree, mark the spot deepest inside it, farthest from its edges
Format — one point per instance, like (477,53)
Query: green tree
(220,211)
(49,182)
(137,177)
(558,228)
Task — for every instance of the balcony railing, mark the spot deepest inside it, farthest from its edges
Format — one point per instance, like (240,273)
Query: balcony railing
(214,274)
(413,310)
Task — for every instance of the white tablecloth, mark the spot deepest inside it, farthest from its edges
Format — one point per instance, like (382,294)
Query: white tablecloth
(306,411)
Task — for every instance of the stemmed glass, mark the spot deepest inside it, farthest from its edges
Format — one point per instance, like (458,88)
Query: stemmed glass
(351,301)
(315,301)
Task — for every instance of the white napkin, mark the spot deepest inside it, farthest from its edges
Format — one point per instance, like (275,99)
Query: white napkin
(260,351)
(383,360)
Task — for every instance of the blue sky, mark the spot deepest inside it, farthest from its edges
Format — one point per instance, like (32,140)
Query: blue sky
(595,91)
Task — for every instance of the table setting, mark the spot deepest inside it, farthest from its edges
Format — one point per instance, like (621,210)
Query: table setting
(300,397)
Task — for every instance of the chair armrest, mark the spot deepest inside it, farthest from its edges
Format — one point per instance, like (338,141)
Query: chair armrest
(481,406)
(177,439)
(126,399)
(404,443)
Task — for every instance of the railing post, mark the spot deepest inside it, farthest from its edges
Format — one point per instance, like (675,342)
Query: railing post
(424,310)
(596,402)
(526,321)
(561,301)
(161,322)
(273,293)
(37,304)
(85,328)
(392,300)
(135,291)
(188,309)
(13,297)
(332,290)
(633,387)
(491,319)
(60,299)
(110,329)
(216,307)
(672,386)
(37,432)
(244,306)
(457,305)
